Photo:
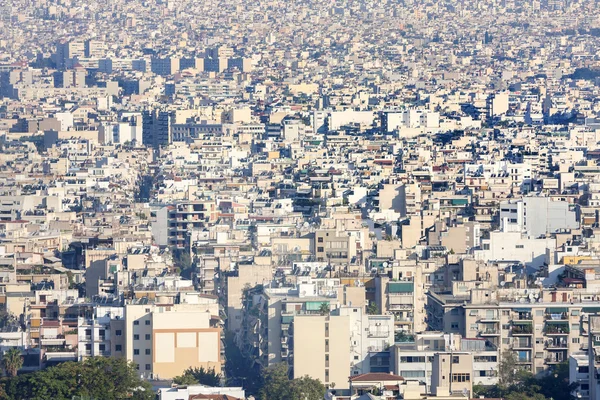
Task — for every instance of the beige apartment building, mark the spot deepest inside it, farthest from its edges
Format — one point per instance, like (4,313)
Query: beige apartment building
(542,326)
(164,339)
(452,374)
(321,348)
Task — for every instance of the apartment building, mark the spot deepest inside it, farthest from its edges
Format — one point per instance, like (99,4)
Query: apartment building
(414,360)
(266,332)
(333,247)
(542,327)
(321,347)
(371,337)
(164,339)
(180,224)
(95,336)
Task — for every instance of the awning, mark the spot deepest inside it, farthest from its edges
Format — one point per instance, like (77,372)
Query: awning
(522,309)
(557,322)
(591,310)
(557,310)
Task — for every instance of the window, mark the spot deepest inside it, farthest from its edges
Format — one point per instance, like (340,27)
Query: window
(575,340)
(136,352)
(118,348)
(102,347)
(539,313)
(519,246)
(506,312)
(136,322)
(460,377)
(412,359)
(574,327)
(147,310)
(147,367)
(147,322)
(412,374)
(486,246)
(118,332)
(455,360)
(147,336)
(454,325)
(136,337)
(320,249)
(320,240)
(147,352)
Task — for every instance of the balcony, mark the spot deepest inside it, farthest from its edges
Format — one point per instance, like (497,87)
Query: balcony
(522,329)
(489,332)
(378,333)
(524,317)
(554,359)
(490,318)
(557,328)
(556,317)
(557,344)
(521,344)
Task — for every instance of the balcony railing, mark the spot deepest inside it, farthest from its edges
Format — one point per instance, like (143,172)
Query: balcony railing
(522,329)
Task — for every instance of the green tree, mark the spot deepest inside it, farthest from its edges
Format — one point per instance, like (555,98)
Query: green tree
(104,378)
(372,308)
(200,375)
(278,386)
(307,388)
(183,261)
(12,361)
(324,308)
(185,379)
(556,384)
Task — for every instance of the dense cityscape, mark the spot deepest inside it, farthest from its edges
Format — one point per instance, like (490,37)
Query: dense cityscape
(344,200)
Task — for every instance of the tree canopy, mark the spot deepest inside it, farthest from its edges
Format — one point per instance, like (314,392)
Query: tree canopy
(193,376)
(277,386)
(12,361)
(518,384)
(103,378)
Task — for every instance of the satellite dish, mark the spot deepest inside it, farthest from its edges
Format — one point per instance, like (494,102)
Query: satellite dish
(502,283)
(522,300)
(385,264)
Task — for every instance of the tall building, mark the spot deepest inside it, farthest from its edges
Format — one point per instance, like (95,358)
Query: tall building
(321,348)
(156,128)
(165,66)
(67,51)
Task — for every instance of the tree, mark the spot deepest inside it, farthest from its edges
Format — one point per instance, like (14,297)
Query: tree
(192,376)
(556,384)
(104,378)
(12,361)
(324,308)
(372,308)
(278,386)
(185,379)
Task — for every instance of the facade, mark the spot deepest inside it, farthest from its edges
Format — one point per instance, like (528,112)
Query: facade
(165,339)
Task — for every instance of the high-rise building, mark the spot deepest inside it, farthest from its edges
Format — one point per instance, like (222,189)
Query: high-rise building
(156,128)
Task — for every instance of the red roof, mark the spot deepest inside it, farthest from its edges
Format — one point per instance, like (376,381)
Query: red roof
(375,376)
